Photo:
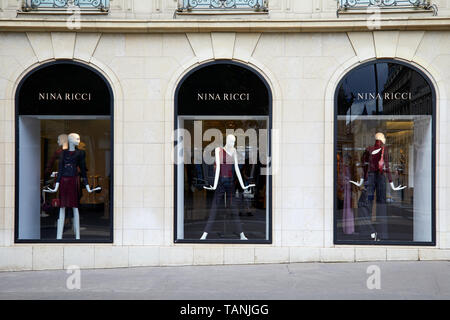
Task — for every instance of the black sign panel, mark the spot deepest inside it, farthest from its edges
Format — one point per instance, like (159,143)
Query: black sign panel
(384,88)
(223,88)
(64,88)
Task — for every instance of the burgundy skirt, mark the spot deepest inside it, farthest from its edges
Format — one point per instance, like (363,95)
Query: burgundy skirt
(69,192)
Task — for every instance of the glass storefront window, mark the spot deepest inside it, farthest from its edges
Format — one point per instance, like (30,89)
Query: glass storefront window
(222,156)
(64,167)
(384,156)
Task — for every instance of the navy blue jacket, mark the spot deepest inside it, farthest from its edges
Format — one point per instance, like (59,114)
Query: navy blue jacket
(69,162)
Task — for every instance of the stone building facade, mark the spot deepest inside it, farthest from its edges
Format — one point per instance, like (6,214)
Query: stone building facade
(301,49)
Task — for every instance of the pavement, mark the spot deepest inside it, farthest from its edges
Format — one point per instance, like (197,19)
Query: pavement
(396,280)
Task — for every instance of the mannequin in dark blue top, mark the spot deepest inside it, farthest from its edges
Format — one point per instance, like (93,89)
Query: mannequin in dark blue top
(70,161)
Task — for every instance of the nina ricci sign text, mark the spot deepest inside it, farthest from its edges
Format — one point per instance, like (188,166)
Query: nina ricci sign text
(223,96)
(67,96)
(385,96)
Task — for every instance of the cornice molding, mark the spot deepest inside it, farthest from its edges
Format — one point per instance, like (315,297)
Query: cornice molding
(172,26)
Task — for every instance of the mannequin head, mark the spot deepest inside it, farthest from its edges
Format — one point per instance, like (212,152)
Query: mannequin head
(231,139)
(74,139)
(380,136)
(63,141)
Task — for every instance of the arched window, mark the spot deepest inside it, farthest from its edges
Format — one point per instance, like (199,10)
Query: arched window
(223,113)
(64,119)
(385,156)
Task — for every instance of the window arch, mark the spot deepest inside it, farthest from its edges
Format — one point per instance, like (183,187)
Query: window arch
(384,156)
(212,102)
(53,101)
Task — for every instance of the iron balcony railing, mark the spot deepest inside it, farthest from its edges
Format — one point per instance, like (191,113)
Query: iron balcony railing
(345,5)
(100,5)
(225,5)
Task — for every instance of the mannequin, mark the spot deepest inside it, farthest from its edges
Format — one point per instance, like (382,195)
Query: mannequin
(63,143)
(376,163)
(378,147)
(69,162)
(226,158)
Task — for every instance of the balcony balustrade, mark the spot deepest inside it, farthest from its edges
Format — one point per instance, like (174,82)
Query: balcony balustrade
(224,5)
(94,5)
(346,5)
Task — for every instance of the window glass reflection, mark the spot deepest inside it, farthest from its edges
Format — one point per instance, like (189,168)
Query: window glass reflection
(384,155)
(228,211)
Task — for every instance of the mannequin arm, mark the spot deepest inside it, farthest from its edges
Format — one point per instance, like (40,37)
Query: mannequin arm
(358,184)
(238,173)
(216,176)
(49,190)
(92,190)
(52,190)
(400,187)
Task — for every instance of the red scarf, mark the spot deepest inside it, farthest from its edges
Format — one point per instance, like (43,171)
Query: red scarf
(378,145)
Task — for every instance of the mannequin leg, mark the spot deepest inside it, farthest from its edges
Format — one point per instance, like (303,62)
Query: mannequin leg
(230,189)
(60,224)
(381,206)
(76,223)
(371,187)
(218,195)
(235,215)
(365,224)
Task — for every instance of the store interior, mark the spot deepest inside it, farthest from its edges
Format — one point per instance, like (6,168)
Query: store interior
(408,140)
(39,154)
(194,202)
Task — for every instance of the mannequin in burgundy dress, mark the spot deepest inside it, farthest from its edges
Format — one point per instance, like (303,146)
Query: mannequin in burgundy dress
(226,160)
(67,182)
(63,143)
(375,160)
